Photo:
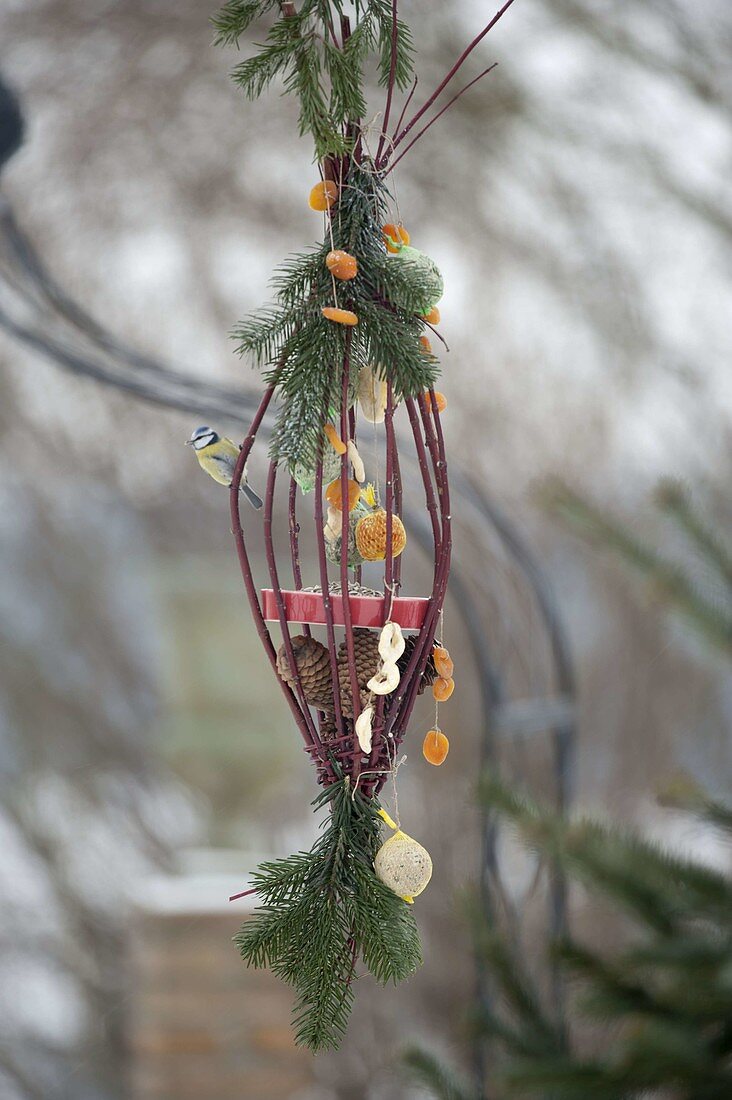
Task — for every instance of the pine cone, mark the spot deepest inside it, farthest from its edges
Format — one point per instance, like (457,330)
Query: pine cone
(328,729)
(366,653)
(313,665)
(430,672)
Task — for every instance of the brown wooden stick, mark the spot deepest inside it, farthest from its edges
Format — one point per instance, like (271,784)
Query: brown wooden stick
(295,545)
(324,584)
(399,716)
(391,81)
(244,563)
(439,115)
(456,67)
(279,600)
(425,472)
(345,530)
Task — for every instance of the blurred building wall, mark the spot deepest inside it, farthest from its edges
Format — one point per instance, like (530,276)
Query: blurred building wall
(201,1025)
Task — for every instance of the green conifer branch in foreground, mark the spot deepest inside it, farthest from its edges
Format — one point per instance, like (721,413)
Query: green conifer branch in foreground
(662,1005)
(659,1008)
(711,617)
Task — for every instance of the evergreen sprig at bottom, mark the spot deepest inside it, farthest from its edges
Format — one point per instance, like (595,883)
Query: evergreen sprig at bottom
(324,910)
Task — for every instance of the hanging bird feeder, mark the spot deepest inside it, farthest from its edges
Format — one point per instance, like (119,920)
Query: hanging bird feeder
(346,359)
(350,659)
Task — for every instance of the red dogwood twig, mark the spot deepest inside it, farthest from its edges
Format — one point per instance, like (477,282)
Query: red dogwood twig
(401,134)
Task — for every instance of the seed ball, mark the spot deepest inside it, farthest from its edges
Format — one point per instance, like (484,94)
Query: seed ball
(371,536)
(403,865)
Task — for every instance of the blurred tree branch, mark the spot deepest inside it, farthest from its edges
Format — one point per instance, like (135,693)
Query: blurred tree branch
(667,580)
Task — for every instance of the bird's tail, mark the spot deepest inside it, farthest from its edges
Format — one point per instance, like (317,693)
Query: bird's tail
(255,500)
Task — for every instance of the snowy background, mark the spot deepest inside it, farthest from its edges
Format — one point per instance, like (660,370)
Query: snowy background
(578,203)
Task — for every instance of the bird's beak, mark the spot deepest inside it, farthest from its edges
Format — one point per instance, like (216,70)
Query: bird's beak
(189,442)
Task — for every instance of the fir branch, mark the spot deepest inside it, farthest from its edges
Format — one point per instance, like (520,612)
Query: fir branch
(302,277)
(294,340)
(309,389)
(344,66)
(265,334)
(684,793)
(613,990)
(518,993)
(320,910)
(396,49)
(390,340)
(427,1070)
(256,73)
(667,579)
(668,996)
(389,946)
(671,888)
(673,499)
(565,1078)
(236,17)
(403,286)
(492,1024)
(326,78)
(319,117)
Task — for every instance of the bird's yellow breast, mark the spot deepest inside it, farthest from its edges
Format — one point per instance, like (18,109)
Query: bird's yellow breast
(219,460)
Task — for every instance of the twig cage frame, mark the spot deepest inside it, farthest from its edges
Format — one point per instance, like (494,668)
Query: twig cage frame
(335,757)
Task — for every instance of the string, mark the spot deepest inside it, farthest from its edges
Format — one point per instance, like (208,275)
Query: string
(376,170)
(328,228)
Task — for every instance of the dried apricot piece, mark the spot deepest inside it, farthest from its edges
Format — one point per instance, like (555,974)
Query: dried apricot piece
(433,317)
(426,345)
(394,236)
(334,439)
(443,662)
(323,195)
(342,265)
(435,747)
(335,498)
(340,316)
(443,688)
(439,402)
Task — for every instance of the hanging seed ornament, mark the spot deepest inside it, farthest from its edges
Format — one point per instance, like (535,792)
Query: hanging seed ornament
(371,536)
(343,344)
(402,863)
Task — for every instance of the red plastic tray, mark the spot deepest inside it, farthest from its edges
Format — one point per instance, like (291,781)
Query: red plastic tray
(367,611)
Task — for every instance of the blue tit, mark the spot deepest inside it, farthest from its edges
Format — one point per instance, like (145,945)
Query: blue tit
(218,457)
